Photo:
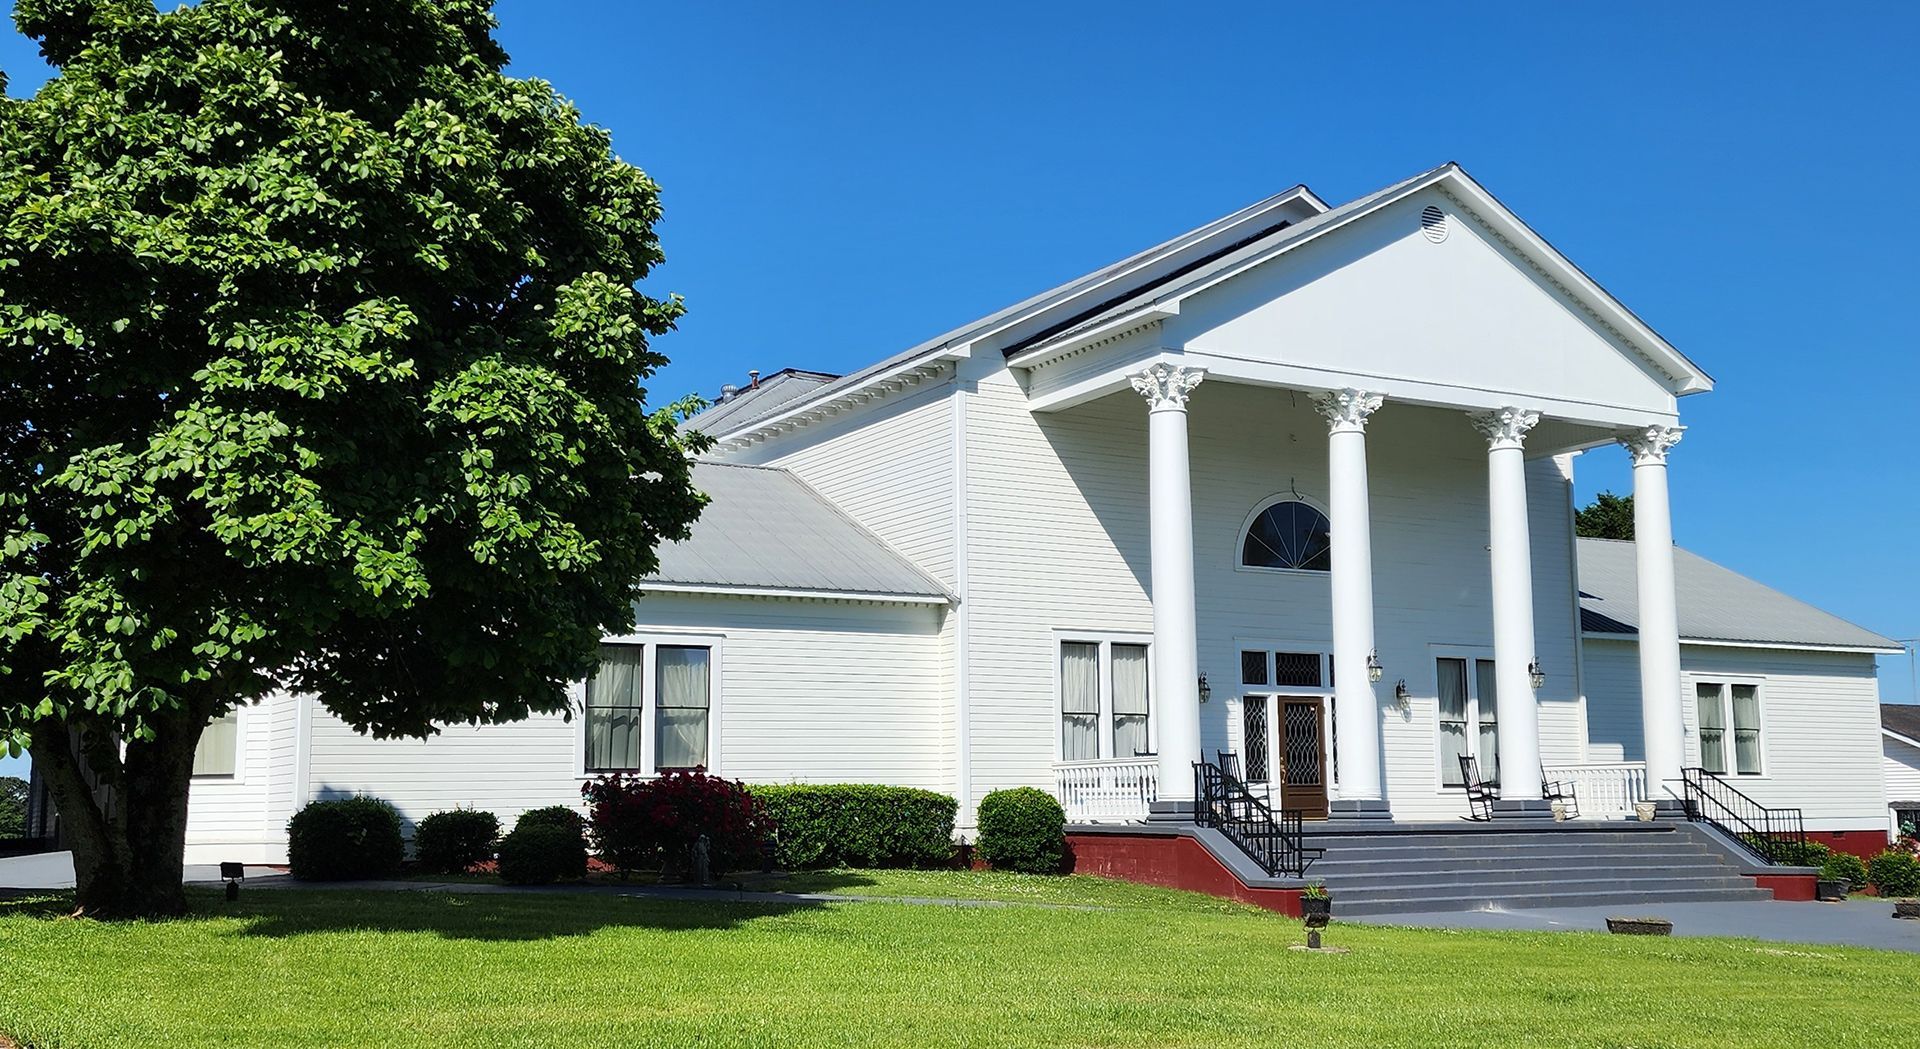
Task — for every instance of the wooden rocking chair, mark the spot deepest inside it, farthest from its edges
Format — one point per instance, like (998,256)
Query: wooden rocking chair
(1480,794)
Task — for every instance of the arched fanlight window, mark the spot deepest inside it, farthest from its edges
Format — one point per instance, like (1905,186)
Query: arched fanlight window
(1289,534)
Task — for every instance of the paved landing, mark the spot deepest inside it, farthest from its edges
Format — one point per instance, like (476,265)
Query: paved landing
(1859,922)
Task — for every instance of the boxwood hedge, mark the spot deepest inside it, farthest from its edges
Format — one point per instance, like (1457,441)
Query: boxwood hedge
(820,825)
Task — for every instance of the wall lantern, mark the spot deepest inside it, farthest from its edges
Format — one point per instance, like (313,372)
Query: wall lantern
(1536,676)
(1206,690)
(1374,669)
(1401,694)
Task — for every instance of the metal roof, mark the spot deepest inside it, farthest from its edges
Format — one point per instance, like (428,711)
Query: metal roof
(1715,604)
(1901,719)
(758,400)
(766,531)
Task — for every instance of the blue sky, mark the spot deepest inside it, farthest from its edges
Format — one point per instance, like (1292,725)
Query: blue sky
(842,181)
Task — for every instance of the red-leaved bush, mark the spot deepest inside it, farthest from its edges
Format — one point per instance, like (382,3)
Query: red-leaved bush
(640,824)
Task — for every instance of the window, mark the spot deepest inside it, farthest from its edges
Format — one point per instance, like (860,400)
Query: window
(676,682)
(683,705)
(218,755)
(1469,705)
(614,702)
(1105,700)
(1906,820)
(1287,535)
(1729,720)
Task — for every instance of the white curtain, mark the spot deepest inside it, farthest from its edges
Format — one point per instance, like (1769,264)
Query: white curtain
(1488,710)
(1746,730)
(1713,728)
(613,709)
(219,750)
(1079,701)
(1453,719)
(683,701)
(1130,701)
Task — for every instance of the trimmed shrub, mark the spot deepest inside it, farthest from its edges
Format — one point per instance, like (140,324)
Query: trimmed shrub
(1845,866)
(858,825)
(1894,874)
(561,816)
(1803,854)
(345,840)
(1023,829)
(637,824)
(451,842)
(540,853)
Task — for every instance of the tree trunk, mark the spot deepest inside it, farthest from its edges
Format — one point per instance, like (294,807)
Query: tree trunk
(127,825)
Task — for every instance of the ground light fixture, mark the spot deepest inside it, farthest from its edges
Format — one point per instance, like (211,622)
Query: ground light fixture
(232,873)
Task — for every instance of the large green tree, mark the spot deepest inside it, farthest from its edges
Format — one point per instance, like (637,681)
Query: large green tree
(1609,516)
(320,370)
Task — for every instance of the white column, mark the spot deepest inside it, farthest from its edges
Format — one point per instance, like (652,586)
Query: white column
(1660,711)
(1512,560)
(1356,711)
(1176,659)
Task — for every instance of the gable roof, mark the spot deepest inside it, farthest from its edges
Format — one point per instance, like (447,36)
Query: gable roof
(1203,256)
(765,532)
(1139,266)
(1715,604)
(758,400)
(1901,720)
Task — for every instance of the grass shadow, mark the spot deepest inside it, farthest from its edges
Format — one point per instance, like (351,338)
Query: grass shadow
(498,917)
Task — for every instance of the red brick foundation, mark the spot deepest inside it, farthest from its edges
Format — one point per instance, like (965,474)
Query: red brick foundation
(1865,844)
(1797,887)
(1170,861)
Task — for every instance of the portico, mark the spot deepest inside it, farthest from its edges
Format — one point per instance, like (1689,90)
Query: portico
(1433,307)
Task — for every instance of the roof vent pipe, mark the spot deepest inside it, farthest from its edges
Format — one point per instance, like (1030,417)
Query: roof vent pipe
(754,375)
(727,392)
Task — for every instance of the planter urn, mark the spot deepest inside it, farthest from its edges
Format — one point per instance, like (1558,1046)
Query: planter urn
(1316,912)
(1831,889)
(1640,926)
(1906,909)
(1643,811)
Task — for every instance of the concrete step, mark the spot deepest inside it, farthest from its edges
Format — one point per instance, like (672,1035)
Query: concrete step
(1545,875)
(1674,851)
(1546,897)
(1337,865)
(1491,839)
(1540,886)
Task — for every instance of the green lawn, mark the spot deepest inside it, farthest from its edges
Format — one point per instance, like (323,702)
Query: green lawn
(1145,968)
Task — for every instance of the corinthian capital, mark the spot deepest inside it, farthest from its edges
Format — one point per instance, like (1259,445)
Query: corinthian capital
(1347,410)
(1649,446)
(1506,427)
(1166,386)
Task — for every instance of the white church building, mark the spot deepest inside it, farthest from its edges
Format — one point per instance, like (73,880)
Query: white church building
(1294,488)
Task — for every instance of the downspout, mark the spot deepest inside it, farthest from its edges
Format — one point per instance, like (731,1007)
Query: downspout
(963,614)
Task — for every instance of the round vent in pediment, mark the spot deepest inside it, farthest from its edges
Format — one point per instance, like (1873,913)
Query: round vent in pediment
(1433,223)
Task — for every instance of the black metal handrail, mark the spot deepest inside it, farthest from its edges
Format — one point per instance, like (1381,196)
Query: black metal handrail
(1775,836)
(1275,842)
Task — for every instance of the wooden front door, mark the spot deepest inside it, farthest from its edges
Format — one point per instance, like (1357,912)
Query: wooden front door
(1303,757)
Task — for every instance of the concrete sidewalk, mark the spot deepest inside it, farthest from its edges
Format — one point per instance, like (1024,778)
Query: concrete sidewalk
(1861,921)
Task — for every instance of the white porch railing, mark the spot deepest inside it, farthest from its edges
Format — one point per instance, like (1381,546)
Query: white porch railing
(1117,790)
(1605,790)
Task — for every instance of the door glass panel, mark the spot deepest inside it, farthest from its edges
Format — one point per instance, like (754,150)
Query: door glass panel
(1253,726)
(1302,734)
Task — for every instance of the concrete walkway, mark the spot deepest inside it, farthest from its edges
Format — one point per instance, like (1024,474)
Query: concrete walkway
(1862,921)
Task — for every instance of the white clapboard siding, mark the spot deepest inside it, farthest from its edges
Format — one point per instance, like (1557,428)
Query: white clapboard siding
(1901,766)
(1820,718)
(227,819)
(818,691)
(888,465)
(1058,540)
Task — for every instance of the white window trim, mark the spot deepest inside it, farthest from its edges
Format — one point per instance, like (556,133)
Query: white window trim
(1106,639)
(1436,653)
(649,702)
(1240,537)
(240,719)
(1693,681)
